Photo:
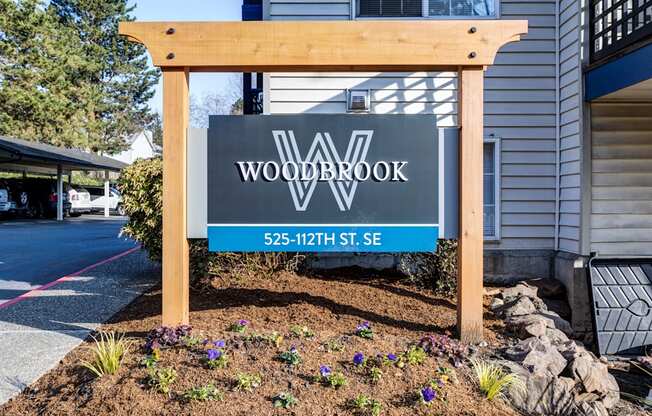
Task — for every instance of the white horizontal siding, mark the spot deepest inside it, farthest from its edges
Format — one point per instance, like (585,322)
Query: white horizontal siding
(520,108)
(621,171)
(570,141)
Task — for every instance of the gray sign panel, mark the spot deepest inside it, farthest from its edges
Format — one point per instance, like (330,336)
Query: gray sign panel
(337,182)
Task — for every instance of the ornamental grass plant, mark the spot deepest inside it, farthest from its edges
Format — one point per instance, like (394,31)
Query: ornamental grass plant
(493,380)
(108,353)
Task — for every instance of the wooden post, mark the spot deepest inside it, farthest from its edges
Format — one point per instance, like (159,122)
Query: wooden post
(176,265)
(470,248)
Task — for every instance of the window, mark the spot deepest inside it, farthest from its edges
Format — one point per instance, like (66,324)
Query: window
(491,189)
(426,8)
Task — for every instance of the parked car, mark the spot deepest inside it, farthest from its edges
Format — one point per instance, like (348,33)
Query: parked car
(80,200)
(36,197)
(98,200)
(7,206)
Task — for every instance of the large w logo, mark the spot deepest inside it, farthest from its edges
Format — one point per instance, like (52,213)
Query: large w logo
(323,150)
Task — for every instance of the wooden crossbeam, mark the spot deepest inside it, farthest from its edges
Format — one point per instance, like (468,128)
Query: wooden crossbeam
(324,46)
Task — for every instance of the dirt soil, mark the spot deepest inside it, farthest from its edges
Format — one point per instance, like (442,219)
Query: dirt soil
(331,307)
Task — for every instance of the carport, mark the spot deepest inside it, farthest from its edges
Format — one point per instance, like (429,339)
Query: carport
(23,156)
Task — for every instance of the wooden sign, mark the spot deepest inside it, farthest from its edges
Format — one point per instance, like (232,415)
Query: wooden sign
(467,46)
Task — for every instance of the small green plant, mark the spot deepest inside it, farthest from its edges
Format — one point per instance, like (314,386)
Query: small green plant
(290,357)
(273,338)
(190,341)
(152,359)
(301,331)
(330,378)
(447,375)
(239,326)
(284,400)
(415,355)
(248,382)
(204,393)
(492,379)
(364,330)
(333,345)
(367,405)
(376,375)
(160,379)
(108,353)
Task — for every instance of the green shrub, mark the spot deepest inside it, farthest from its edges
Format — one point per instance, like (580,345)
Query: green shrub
(108,353)
(436,271)
(141,185)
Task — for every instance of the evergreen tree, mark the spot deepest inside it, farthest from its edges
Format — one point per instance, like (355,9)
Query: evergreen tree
(118,82)
(39,63)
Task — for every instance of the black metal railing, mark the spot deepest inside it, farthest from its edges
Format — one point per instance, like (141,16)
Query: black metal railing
(618,24)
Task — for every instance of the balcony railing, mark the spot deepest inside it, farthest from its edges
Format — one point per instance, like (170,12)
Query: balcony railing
(617,24)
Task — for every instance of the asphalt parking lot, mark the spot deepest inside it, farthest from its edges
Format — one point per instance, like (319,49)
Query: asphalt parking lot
(36,252)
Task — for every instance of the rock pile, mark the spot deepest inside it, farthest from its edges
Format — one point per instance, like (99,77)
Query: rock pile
(561,377)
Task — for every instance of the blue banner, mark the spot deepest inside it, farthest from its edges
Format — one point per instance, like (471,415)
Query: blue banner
(323,238)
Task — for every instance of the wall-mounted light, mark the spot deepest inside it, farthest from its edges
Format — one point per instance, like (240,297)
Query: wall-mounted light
(358,101)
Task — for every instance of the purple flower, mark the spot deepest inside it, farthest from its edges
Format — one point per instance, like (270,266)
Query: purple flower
(213,354)
(293,350)
(324,370)
(428,394)
(392,357)
(243,322)
(205,342)
(219,344)
(358,358)
(363,326)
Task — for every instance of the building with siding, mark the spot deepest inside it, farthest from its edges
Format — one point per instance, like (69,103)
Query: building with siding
(568,132)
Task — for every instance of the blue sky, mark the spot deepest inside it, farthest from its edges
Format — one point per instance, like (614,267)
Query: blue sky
(203,10)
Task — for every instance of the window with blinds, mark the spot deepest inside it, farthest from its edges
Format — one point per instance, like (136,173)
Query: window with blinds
(432,8)
(390,8)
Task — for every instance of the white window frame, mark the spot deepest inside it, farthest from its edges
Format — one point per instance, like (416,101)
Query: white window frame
(424,14)
(497,174)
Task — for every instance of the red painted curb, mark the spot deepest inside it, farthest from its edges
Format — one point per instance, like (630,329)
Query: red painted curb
(66,277)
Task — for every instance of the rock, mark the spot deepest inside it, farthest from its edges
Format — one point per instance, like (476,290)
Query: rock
(527,326)
(547,288)
(559,322)
(519,290)
(518,307)
(558,306)
(595,408)
(537,355)
(496,303)
(543,394)
(570,349)
(555,336)
(595,378)
(539,304)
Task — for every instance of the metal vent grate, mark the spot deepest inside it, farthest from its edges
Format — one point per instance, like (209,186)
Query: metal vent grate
(621,291)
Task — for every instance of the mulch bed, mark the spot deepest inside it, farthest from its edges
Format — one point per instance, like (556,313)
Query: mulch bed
(330,306)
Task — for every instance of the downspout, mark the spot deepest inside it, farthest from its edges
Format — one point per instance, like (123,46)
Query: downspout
(557,129)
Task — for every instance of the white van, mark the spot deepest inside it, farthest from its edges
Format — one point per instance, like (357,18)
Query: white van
(80,200)
(98,200)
